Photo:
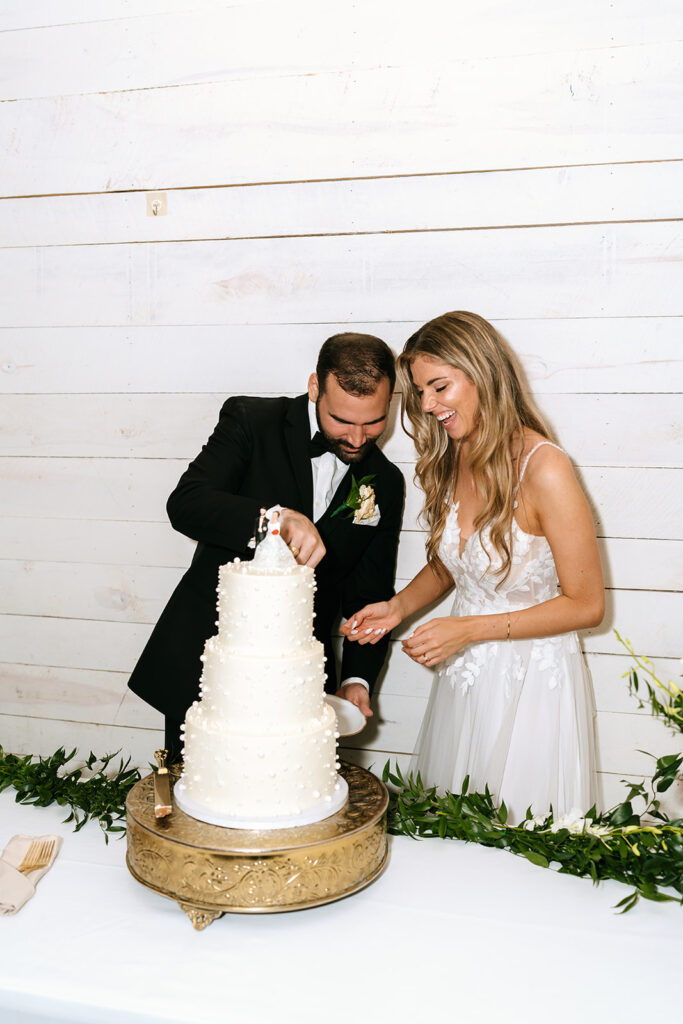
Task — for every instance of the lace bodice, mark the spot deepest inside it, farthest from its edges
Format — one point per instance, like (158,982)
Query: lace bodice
(532,578)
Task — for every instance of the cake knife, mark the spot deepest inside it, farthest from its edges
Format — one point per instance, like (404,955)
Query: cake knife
(162,786)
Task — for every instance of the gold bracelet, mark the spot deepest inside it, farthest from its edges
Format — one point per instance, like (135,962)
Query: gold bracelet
(508,633)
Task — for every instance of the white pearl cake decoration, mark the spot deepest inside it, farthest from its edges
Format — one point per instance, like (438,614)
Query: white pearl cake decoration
(260,745)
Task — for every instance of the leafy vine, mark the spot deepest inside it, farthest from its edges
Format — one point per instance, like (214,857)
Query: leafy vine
(87,790)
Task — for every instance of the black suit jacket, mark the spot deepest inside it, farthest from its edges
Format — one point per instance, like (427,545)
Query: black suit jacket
(258,456)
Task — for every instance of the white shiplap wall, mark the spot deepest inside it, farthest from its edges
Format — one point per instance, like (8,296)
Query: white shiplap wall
(325,166)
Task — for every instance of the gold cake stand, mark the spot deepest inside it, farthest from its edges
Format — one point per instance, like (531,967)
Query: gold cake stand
(210,870)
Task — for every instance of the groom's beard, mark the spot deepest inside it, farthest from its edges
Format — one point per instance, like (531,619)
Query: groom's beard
(341,450)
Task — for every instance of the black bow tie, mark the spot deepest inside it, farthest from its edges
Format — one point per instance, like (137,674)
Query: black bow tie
(318,445)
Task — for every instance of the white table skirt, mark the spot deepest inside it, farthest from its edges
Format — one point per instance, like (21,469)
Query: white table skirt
(450,929)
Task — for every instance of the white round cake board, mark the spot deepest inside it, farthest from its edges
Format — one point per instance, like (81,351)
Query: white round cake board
(350,719)
(308,817)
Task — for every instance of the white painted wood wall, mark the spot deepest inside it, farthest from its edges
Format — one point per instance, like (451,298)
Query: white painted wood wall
(325,166)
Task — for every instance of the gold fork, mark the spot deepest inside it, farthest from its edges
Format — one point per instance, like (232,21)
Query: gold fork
(37,856)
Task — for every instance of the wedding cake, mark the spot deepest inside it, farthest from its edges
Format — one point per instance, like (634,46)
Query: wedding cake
(260,744)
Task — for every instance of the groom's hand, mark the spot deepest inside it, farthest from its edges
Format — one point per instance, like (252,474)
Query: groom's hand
(302,537)
(357,694)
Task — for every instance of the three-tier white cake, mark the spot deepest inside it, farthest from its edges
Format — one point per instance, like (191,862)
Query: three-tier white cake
(260,744)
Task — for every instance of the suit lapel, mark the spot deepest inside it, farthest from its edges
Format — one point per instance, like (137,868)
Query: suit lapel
(297,436)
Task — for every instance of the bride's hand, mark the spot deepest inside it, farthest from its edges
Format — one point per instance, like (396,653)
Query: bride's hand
(371,623)
(437,640)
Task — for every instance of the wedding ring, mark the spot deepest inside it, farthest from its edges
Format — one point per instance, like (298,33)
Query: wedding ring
(424,656)
(295,550)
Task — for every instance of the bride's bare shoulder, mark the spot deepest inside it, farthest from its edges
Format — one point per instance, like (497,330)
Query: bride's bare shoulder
(542,462)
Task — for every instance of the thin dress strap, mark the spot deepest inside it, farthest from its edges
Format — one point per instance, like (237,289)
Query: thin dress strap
(535,449)
(526,463)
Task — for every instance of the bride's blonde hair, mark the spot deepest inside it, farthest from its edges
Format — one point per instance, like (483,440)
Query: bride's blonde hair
(470,344)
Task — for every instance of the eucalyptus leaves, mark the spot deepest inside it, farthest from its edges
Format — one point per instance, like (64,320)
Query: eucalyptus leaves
(88,792)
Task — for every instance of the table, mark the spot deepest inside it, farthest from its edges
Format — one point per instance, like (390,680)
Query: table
(451,930)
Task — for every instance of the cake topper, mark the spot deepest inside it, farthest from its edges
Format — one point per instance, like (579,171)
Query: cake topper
(272,552)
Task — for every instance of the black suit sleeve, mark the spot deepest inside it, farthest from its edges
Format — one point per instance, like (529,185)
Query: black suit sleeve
(204,505)
(372,580)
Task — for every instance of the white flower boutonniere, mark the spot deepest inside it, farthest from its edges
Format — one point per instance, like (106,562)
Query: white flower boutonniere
(361,502)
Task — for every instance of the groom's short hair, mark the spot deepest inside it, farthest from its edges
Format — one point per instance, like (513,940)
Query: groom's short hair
(359,362)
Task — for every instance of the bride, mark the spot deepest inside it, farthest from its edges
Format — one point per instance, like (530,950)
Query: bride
(511,705)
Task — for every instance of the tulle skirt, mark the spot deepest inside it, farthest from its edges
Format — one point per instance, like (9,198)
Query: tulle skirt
(518,716)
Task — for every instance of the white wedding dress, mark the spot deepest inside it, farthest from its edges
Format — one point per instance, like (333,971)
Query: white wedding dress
(516,715)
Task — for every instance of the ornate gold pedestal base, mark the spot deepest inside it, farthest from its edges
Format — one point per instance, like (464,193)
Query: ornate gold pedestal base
(211,870)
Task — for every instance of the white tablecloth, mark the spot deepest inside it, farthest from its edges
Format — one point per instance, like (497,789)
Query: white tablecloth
(450,929)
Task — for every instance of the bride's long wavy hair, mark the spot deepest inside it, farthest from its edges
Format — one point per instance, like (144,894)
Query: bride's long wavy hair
(470,344)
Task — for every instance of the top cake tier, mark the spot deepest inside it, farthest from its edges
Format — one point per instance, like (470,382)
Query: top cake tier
(265,611)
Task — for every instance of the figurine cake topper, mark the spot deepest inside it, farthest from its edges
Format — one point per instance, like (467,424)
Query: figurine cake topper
(271,551)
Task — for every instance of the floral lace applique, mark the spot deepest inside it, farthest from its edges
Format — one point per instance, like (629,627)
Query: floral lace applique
(547,654)
(466,668)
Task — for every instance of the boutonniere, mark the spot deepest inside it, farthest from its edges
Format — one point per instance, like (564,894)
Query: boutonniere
(360,503)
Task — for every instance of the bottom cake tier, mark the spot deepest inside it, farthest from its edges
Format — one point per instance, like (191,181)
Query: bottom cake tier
(231,779)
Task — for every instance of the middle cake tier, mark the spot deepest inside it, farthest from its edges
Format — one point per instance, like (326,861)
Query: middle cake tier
(262,694)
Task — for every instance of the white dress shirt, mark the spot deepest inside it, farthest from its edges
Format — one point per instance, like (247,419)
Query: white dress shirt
(328,473)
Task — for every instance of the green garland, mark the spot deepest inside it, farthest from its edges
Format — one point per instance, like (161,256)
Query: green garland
(86,790)
(616,844)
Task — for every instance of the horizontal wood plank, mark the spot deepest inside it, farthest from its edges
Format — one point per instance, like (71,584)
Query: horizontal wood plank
(102,541)
(615,354)
(137,490)
(64,590)
(595,429)
(388,120)
(42,736)
(78,695)
(72,643)
(16,15)
(586,270)
(115,489)
(164,45)
(534,196)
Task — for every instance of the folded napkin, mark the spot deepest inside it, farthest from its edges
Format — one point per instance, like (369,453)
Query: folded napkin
(16,887)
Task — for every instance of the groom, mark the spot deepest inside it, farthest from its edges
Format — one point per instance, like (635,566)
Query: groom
(297,455)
